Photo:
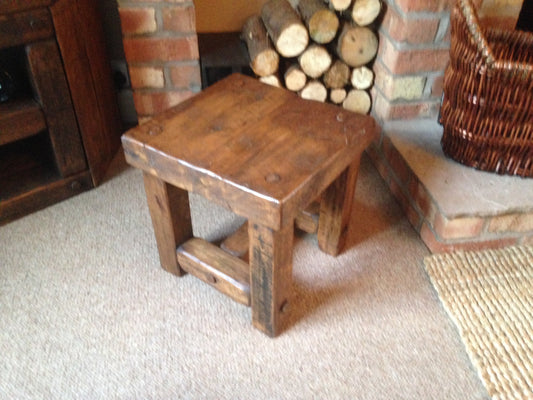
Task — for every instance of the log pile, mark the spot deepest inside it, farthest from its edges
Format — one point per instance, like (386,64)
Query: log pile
(320,49)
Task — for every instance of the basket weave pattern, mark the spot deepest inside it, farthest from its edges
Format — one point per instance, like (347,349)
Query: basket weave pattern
(487,110)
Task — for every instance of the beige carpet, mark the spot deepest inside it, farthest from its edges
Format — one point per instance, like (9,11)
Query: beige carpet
(489,295)
(87,313)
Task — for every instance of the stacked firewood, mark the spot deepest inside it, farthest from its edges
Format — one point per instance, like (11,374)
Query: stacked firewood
(321,49)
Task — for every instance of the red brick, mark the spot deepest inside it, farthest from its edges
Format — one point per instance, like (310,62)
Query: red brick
(395,87)
(401,29)
(437,86)
(161,49)
(152,103)
(422,199)
(519,222)
(457,228)
(413,60)
(185,76)
(144,77)
(137,20)
(424,5)
(386,110)
(414,217)
(527,240)
(399,194)
(437,245)
(179,19)
(396,161)
(378,161)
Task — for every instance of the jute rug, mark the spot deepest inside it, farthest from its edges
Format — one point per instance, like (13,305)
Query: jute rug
(489,296)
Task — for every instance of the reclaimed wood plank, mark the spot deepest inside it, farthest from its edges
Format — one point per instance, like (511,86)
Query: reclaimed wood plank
(48,78)
(307,219)
(271,276)
(226,273)
(335,211)
(11,6)
(171,220)
(236,244)
(20,119)
(81,40)
(49,192)
(255,149)
(25,27)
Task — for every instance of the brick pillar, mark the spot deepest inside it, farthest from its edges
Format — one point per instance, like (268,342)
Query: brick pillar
(413,53)
(161,50)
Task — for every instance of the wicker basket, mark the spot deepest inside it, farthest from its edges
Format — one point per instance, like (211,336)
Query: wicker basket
(487,108)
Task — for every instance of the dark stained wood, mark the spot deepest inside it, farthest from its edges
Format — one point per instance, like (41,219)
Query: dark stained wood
(271,272)
(50,191)
(261,151)
(307,219)
(81,40)
(230,275)
(73,87)
(52,89)
(11,6)
(25,27)
(237,243)
(335,210)
(20,119)
(265,154)
(171,219)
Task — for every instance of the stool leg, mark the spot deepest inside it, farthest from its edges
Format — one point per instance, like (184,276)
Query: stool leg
(335,210)
(171,219)
(271,276)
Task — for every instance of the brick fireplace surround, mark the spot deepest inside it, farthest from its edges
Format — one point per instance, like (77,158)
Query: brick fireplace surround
(161,49)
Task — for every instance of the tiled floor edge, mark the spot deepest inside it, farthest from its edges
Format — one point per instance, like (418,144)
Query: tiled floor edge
(438,233)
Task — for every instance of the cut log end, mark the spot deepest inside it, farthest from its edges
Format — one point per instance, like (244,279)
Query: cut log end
(295,78)
(315,60)
(357,45)
(365,12)
(264,60)
(337,76)
(292,41)
(358,101)
(285,27)
(314,90)
(340,5)
(265,63)
(337,96)
(271,80)
(323,26)
(362,78)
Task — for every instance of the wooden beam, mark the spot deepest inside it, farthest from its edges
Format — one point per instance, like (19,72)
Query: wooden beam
(209,263)
(236,244)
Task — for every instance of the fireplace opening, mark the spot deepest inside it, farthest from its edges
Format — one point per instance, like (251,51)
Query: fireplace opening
(218,28)
(222,54)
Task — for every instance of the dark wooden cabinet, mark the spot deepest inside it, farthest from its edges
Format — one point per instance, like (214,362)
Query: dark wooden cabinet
(60,131)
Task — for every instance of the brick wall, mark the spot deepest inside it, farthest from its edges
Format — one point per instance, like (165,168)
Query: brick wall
(161,50)
(414,44)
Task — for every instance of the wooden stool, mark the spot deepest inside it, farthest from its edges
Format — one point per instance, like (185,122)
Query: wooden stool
(265,154)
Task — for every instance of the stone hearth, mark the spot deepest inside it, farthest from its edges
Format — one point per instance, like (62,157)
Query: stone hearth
(451,206)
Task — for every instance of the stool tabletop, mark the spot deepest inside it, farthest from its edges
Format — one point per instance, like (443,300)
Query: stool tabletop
(253,141)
